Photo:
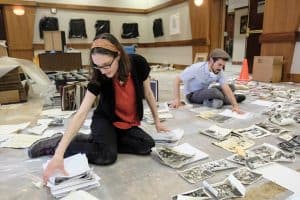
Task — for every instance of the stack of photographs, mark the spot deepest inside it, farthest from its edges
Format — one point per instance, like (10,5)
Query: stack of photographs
(197,194)
(218,165)
(81,177)
(217,132)
(293,145)
(235,141)
(256,162)
(171,157)
(213,116)
(271,153)
(237,159)
(253,132)
(168,138)
(228,189)
(279,132)
(195,174)
(282,119)
(178,156)
(246,176)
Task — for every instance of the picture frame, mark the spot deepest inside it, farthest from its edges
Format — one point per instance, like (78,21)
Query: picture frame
(243,24)
(200,57)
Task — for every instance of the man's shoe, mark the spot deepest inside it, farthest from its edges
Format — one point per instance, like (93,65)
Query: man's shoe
(44,146)
(214,103)
(239,97)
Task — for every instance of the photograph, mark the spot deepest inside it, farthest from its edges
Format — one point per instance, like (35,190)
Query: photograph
(195,174)
(244,24)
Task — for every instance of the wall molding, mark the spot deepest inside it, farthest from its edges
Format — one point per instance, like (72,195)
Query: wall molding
(93,8)
(177,43)
(279,37)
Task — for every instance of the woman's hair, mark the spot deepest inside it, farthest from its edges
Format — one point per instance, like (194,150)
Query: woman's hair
(124,62)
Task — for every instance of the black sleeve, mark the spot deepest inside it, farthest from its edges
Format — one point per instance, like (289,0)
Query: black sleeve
(94,88)
(141,65)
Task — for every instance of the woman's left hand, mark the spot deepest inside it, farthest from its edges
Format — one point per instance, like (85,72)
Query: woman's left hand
(160,127)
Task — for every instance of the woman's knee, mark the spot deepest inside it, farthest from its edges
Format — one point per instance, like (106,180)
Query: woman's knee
(105,157)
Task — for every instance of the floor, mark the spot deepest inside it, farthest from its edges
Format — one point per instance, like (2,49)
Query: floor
(136,177)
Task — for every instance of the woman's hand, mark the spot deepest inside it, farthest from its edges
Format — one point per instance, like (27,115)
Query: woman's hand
(56,164)
(160,127)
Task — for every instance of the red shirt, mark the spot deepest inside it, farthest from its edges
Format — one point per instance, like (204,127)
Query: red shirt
(125,107)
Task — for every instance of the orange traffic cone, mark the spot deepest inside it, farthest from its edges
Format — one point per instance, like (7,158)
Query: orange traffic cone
(244,75)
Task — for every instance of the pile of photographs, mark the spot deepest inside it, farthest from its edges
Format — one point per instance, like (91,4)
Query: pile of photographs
(204,171)
(235,141)
(217,132)
(213,116)
(167,138)
(246,176)
(279,132)
(227,189)
(253,132)
(195,174)
(80,177)
(262,155)
(178,156)
(292,145)
(197,194)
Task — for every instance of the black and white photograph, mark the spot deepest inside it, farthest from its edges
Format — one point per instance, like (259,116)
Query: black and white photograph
(197,194)
(195,174)
(216,132)
(246,176)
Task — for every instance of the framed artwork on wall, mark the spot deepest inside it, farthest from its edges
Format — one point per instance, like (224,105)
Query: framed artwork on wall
(244,24)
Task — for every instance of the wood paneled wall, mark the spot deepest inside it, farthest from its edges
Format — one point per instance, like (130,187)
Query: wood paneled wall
(19,32)
(281,18)
(207,23)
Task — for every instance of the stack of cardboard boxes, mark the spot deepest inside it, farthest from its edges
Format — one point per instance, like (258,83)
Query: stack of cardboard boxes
(11,88)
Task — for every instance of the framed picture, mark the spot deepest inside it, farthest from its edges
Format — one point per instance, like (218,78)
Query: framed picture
(243,24)
(200,57)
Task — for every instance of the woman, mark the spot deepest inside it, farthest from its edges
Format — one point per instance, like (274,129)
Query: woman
(121,81)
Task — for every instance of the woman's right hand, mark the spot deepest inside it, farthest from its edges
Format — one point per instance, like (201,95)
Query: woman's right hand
(56,164)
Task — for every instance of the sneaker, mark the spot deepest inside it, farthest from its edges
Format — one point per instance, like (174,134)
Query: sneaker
(44,146)
(240,97)
(214,103)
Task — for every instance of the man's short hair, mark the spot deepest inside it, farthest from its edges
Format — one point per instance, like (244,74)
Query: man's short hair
(219,54)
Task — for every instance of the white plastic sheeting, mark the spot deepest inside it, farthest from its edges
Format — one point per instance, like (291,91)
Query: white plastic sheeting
(40,82)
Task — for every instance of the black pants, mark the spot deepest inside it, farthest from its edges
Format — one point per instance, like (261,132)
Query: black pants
(106,141)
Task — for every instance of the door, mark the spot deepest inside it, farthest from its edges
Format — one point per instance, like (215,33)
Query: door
(255,25)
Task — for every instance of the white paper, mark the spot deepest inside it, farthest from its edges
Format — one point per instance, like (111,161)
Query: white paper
(74,165)
(281,175)
(12,128)
(79,195)
(230,113)
(87,122)
(174,24)
(57,112)
(263,103)
(20,141)
(189,149)
(172,136)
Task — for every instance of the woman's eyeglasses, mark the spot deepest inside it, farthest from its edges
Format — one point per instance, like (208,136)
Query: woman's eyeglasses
(106,66)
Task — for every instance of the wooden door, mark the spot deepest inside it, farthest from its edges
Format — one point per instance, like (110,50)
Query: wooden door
(255,25)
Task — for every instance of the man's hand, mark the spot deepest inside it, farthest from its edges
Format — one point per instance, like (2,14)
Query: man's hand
(175,103)
(236,109)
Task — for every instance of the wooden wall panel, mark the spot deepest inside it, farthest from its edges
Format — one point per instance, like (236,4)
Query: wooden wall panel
(19,32)
(281,21)
(285,49)
(199,17)
(281,16)
(217,23)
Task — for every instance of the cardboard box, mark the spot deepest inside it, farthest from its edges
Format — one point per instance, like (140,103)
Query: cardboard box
(267,68)
(11,96)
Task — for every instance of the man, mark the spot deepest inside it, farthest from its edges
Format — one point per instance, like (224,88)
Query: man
(197,79)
